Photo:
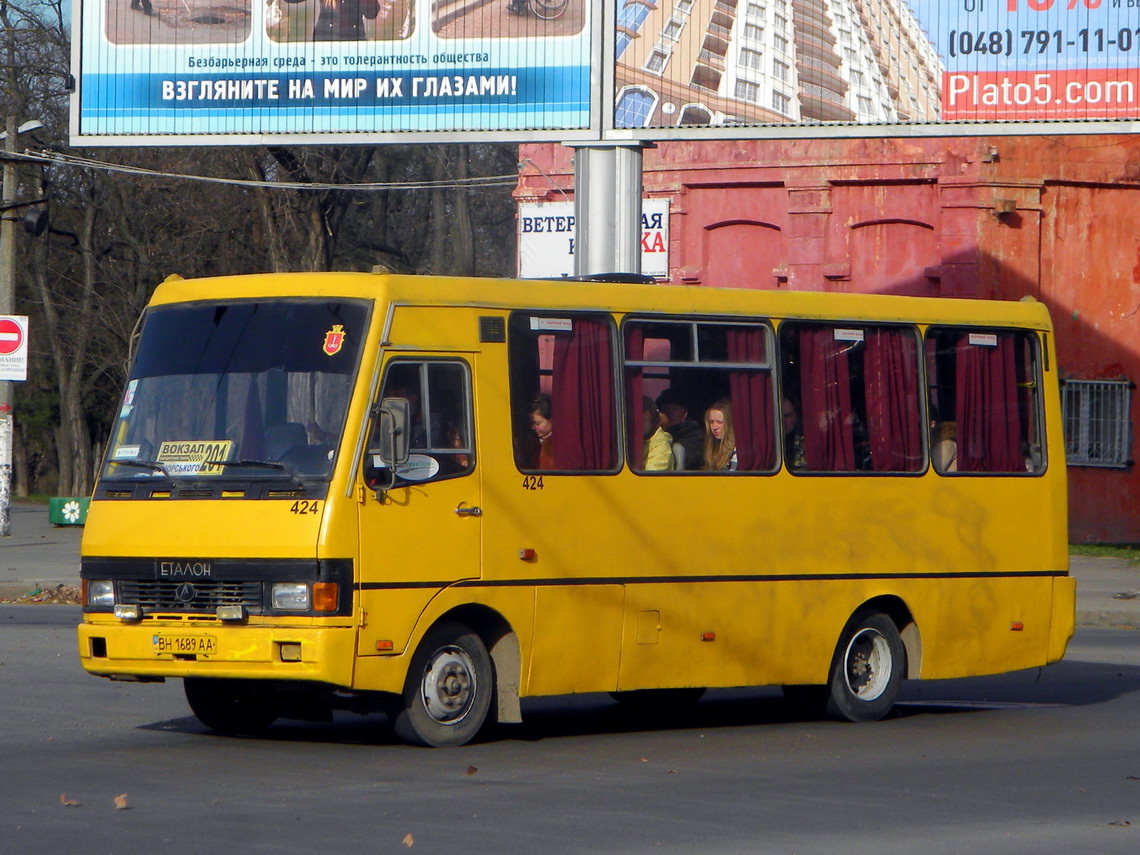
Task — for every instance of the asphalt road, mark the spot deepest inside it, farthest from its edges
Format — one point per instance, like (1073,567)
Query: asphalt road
(1032,762)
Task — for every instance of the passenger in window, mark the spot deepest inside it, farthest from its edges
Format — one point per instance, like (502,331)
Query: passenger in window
(682,429)
(943,442)
(543,427)
(454,439)
(793,435)
(720,438)
(657,452)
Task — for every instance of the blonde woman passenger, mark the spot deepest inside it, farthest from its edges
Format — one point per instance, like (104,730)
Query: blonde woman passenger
(720,438)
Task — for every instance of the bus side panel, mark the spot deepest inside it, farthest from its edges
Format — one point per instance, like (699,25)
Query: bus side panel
(780,632)
(388,617)
(488,610)
(577,640)
(730,633)
(981,626)
(1064,617)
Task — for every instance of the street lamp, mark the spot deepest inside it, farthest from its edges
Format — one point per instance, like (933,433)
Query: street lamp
(7,304)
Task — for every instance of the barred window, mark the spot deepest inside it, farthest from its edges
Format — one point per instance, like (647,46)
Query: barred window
(1097,430)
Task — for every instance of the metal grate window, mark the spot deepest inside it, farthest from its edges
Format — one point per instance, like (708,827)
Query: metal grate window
(1097,429)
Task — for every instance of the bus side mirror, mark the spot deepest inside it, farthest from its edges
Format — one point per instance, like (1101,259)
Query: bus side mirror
(388,444)
(391,436)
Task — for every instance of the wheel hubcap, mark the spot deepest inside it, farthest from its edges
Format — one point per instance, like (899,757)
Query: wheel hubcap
(868,664)
(449,685)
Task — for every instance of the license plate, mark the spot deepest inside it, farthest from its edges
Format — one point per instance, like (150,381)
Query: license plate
(185,644)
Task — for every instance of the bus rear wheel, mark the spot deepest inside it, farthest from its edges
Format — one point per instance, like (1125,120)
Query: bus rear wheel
(867,669)
(232,707)
(447,693)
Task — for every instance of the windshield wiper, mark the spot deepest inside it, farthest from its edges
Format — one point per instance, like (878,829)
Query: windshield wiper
(262,464)
(154,466)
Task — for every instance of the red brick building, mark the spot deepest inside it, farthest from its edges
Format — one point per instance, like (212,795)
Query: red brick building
(1053,217)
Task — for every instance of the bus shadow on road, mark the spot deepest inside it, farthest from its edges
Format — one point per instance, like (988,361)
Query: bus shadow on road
(1066,684)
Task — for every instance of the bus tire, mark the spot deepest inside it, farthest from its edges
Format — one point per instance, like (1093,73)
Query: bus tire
(867,669)
(448,691)
(232,707)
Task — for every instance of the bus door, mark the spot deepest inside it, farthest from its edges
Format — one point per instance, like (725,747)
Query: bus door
(422,532)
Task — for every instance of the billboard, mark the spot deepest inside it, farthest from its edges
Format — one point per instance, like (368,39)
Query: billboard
(244,70)
(247,71)
(873,67)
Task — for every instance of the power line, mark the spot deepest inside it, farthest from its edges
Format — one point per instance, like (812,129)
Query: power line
(60,159)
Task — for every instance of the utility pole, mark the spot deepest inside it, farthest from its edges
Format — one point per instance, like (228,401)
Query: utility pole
(7,305)
(607,208)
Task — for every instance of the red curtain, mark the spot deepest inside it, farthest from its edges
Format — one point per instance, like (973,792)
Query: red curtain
(890,368)
(751,393)
(825,388)
(582,406)
(989,426)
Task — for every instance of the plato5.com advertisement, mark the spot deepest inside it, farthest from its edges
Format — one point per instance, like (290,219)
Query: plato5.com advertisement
(1036,60)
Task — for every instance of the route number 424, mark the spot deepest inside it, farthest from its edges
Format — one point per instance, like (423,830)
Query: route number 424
(305,506)
(532,482)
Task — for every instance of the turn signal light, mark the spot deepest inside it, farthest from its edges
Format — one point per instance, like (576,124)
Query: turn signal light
(1016,626)
(325,596)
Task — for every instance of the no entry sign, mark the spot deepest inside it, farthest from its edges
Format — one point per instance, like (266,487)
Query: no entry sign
(13,347)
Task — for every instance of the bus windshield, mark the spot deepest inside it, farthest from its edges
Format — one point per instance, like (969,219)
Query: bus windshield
(249,389)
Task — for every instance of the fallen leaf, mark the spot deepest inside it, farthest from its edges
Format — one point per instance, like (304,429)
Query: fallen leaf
(66,802)
(121,802)
(471,770)
(408,841)
(1121,823)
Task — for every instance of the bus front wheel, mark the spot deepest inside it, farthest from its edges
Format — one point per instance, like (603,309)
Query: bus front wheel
(447,693)
(232,707)
(867,670)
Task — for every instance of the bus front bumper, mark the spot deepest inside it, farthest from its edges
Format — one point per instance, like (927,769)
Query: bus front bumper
(155,651)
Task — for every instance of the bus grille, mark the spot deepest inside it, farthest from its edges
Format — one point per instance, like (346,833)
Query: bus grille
(190,596)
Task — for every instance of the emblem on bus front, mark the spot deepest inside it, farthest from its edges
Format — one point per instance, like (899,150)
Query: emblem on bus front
(334,340)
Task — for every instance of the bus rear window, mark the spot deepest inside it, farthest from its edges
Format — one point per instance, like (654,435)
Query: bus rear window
(985,400)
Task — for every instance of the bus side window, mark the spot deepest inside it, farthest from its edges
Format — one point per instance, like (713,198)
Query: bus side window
(687,366)
(440,417)
(984,401)
(563,364)
(851,398)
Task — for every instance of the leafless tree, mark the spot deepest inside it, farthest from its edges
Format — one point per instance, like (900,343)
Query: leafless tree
(114,236)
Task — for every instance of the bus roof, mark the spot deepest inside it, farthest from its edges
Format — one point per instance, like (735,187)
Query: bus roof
(554,295)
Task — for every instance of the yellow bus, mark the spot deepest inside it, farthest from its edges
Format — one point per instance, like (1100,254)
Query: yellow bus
(434,497)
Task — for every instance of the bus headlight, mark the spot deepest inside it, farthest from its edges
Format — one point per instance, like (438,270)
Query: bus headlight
(101,595)
(291,596)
